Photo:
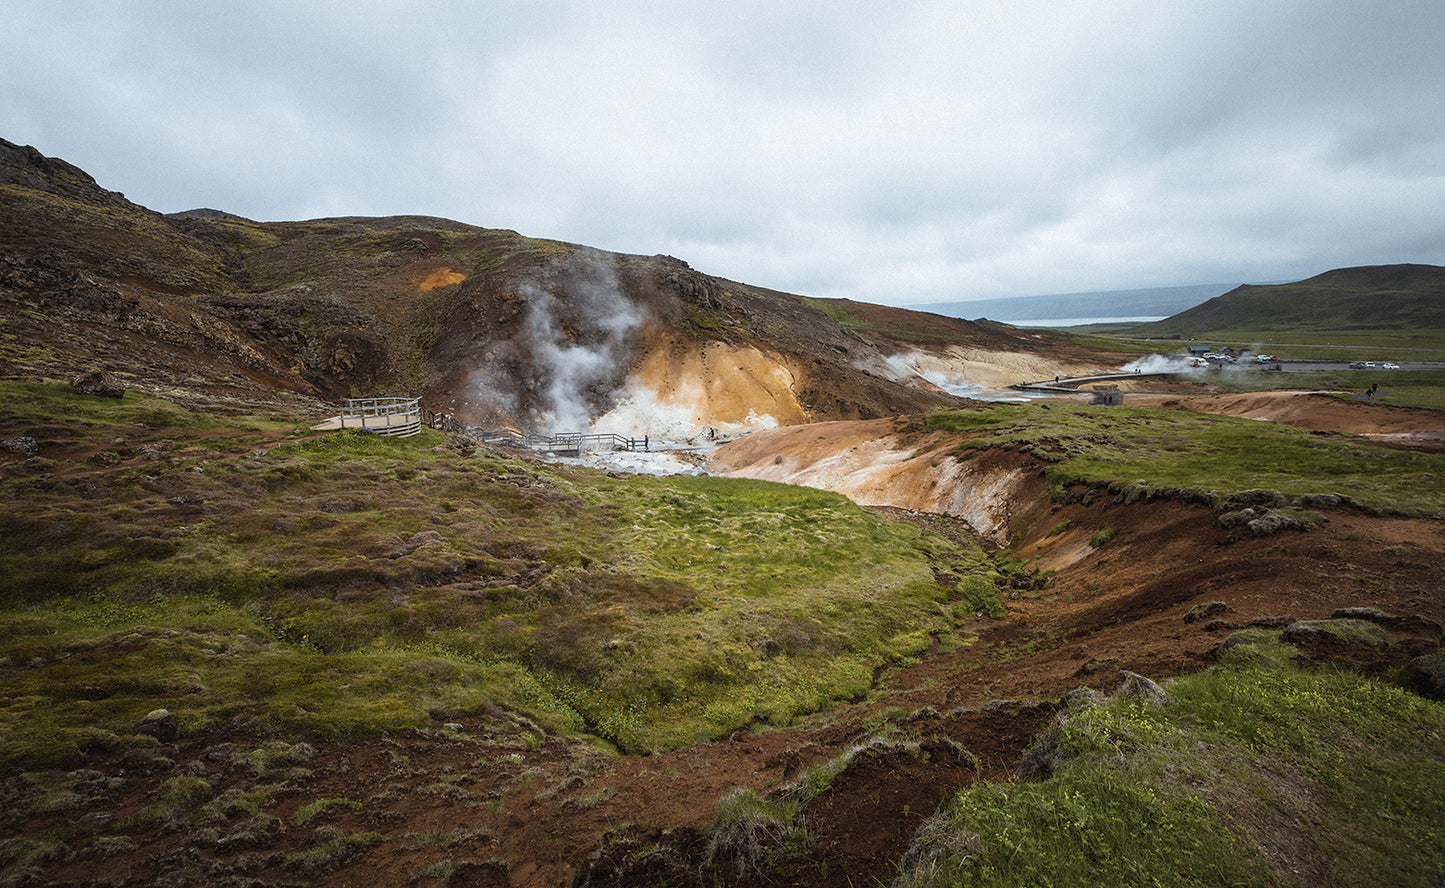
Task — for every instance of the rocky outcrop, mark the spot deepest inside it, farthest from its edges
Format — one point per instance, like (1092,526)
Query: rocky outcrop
(96,384)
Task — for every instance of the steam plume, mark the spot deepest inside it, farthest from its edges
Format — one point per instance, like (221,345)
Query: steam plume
(569,352)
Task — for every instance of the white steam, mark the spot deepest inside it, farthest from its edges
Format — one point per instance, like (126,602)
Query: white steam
(571,342)
(637,412)
(946,375)
(570,367)
(1161,364)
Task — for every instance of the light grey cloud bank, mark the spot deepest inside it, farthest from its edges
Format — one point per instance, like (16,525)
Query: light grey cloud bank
(899,153)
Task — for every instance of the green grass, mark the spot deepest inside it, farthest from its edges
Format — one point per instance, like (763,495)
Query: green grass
(83,675)
(835,311)
(52,403)
(1141,451)
(1402,388)
(1332,345)
(351,584)
(1243,757)
(750,830)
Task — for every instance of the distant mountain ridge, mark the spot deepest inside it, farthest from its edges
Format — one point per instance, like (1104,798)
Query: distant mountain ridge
(1146,302)
(1370,297)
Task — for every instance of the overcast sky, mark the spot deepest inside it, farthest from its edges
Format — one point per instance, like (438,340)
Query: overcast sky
(893,152)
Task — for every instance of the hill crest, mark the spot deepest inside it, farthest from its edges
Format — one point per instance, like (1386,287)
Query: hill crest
(487,323)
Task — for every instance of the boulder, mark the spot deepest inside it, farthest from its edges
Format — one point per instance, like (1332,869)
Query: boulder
(1144,690)
(1206,611)
(160,724)
(98,385)
(23,445)
(1426,676)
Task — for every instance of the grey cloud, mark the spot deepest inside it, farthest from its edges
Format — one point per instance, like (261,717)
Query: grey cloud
(910,152)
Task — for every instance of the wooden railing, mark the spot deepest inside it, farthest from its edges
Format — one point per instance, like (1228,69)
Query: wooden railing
(444,422)
(398,417)
(563,442)
(570,441)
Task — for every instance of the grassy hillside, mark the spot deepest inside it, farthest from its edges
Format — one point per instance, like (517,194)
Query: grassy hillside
(256,580)
(1385,302)
(224,568)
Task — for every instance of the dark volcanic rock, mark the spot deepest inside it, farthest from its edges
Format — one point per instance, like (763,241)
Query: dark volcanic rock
(160,724)
(1206,611)
(98,384)
(24,445)
(1426,676)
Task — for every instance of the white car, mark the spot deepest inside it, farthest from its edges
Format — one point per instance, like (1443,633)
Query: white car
(1389,366)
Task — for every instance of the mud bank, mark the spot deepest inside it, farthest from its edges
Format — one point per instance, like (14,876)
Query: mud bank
(871,465)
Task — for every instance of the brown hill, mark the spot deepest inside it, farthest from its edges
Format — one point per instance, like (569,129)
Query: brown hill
(497,327)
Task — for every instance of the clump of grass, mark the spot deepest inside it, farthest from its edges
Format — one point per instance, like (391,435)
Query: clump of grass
(333,850)
(450,838)
(819,779)
(176,796)
(22,858)
(750,830)
(1346,630)
(1101,537)
(441,870)
(311,809)
(590,799)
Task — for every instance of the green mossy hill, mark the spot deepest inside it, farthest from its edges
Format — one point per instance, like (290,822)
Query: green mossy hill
(1379,298)
(1206,789)
(351,584)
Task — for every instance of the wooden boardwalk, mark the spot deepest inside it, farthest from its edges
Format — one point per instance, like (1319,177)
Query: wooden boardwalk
(404,417)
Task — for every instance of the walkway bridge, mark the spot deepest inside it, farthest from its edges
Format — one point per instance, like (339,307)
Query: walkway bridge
(404,417)
(560,444)
(1070,385)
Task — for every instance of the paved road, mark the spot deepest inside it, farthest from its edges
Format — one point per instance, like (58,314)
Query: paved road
(1315,366)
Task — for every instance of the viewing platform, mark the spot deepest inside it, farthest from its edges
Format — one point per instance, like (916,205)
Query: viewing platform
(397,417)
